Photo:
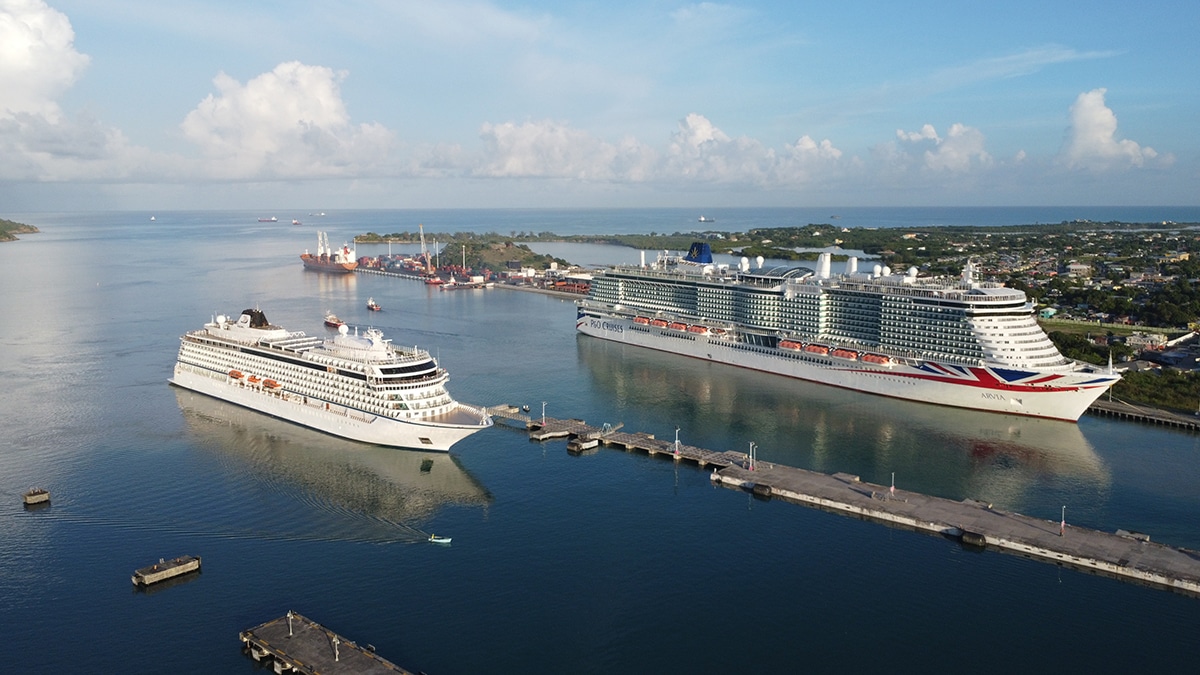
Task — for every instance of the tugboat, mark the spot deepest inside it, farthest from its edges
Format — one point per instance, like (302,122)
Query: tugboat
(372,305)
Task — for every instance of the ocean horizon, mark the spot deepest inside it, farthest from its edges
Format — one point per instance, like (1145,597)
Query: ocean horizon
(640,221)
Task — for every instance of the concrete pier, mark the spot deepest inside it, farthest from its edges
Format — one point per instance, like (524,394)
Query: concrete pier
(1128,556)
(36,496)
(1133,413)
(296,644)
(166,569)
(1123,555)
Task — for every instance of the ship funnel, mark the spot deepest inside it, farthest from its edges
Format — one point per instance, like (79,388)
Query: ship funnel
(823,265)
(700,252)
(852,265)
(643,258)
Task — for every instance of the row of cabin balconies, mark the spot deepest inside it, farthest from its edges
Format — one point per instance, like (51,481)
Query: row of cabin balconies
(336,388)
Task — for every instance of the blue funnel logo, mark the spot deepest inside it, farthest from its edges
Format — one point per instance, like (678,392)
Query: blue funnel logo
(700,252)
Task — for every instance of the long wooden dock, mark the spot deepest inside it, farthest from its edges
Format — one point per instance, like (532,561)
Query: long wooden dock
(297,644)
(1128,556)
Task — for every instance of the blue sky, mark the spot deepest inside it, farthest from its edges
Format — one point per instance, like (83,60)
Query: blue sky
(132,104)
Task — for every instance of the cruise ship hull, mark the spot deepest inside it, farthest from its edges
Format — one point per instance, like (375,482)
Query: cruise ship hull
(330,418)
(1061,396)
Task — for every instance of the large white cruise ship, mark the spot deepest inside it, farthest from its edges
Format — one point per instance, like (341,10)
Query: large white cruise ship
(359,387)
(956,342)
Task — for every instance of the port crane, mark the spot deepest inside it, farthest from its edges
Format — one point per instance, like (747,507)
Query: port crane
(429,268)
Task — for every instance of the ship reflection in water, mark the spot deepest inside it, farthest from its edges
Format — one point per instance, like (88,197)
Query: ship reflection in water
(398,489)
(950,452)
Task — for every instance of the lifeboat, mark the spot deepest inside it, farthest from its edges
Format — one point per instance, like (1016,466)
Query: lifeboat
(790,344)
(658,323)
(699,330)
(235,374)
(252,379)
(848,354)
(817,349)
(878,359)
(678,326)
(642,320)
(270,384)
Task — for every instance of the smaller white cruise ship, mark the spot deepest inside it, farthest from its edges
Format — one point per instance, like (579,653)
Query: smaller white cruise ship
(355,386)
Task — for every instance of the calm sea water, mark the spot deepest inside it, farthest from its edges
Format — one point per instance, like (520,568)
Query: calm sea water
(560,564)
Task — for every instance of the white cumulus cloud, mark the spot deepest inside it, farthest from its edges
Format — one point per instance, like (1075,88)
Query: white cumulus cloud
(962,149)
(544,149)
(1092,138)
(697,152)
(38,61)
(38,141)
(288,123)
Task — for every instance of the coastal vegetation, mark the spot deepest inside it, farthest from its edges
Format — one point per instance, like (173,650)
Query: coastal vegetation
(10,229)
(1166,388)
(479,251)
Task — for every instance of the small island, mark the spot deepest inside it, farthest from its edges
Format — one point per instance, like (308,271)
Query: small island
(10,229)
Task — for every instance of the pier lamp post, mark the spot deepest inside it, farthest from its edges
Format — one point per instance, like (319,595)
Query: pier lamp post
(543,413)
(752,447)
(289,623)
(336,655)
(1062,526)
(677,439)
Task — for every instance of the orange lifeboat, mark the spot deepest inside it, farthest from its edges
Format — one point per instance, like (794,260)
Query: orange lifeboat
(235,374)
(642,320)
(817,349)
(879,359)
(270,384)
(678,326)
(252,379)
(848,354)
(700,330)
(790,344)
(659,323)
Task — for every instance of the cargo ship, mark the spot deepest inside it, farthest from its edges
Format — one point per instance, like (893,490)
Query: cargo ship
(328,259)
(949,341)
